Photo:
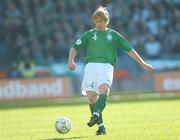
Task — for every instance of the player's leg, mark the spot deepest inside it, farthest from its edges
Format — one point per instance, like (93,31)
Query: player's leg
(89,85)
(104,81)
(92,98)
(101,102)
(103,76)
(99,105)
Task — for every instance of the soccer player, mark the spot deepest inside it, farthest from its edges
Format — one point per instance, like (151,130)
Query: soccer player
(101,44)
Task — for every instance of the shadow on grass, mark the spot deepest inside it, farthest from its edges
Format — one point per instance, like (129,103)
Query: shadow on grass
(70,138)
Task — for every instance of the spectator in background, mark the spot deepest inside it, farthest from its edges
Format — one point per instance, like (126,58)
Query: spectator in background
(50,52)
(176,48)
(152,24)
(27,68)
(152,48)
(61,46)
(37,52)
(14,71)
(25,52)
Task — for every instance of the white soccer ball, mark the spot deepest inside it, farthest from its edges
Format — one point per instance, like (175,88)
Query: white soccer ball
(63,125)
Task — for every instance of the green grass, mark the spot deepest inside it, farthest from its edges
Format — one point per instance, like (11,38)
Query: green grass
(127,120)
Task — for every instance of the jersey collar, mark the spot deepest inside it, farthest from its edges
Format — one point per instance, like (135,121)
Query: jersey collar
(102,31)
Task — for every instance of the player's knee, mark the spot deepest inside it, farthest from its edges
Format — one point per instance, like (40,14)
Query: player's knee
(92,97)
(104,89)
(91,100)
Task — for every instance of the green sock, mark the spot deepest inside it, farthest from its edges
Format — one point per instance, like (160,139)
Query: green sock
(102,127)
(100,104)
(100,119)
(100,122)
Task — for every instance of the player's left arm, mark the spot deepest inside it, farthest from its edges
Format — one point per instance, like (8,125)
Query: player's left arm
(124,45)
(134,55)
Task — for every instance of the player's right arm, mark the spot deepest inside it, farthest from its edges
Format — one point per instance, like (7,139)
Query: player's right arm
(71,63)
(80,43)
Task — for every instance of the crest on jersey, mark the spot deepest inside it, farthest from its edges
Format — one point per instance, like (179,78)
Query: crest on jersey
(78,42)
(109,37)
(94,37)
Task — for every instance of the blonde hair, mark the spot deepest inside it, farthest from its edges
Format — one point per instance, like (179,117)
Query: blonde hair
(101,12)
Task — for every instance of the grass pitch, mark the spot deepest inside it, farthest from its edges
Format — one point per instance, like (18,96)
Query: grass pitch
(127,120)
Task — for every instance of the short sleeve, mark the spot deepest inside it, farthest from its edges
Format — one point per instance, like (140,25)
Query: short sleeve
(122,43)
(81,42)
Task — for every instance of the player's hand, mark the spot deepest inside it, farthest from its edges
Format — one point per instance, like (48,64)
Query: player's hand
(148,67)
(71,65)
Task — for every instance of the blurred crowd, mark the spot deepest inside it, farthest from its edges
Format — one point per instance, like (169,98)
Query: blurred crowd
(40,32)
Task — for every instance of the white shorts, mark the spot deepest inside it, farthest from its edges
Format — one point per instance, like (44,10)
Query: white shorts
(96,74)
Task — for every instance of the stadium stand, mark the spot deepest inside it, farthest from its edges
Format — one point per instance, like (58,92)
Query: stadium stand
(44,30)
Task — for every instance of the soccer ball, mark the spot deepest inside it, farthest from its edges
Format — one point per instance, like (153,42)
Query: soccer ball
(63,125)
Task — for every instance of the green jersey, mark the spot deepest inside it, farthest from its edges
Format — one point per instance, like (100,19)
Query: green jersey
(101,46)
